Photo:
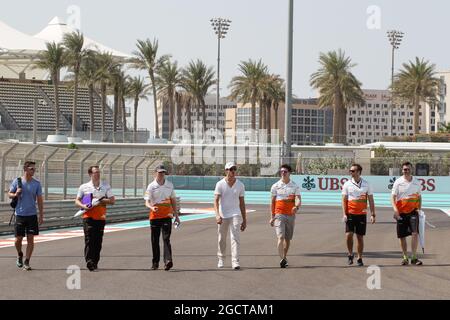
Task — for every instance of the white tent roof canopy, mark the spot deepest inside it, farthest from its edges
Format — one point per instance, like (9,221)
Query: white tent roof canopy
(18,50)
(56,29)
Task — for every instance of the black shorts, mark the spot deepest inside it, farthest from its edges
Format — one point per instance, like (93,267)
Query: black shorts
(356,223)
(408,224)
(26,226)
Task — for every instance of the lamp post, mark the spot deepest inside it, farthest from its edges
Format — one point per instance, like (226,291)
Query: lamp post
(220,27)
(395,38)
(288,111)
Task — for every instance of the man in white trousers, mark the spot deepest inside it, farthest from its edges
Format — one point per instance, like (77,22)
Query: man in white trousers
(230,211)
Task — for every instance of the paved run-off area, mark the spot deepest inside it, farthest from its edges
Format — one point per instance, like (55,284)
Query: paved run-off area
(317,263)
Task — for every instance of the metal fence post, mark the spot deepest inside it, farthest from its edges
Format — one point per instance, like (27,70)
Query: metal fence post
(47,158)
(82,165)
(4,155)
(71,154)
(124,168)
(135,176)
(111,169)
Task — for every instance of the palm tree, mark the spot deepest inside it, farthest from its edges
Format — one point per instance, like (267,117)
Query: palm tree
(168,79)
(90,75)
(416,83)
(146,58)
(138,90)
(118,79)
(338,87)
(247,88)
(53,59)
(272,93)
(184,101)
(197,79)
(106,65)
(73,44)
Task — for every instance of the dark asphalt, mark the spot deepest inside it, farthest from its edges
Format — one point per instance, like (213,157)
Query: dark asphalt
(317,264)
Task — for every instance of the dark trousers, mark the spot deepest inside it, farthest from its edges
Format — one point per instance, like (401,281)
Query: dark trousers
(93,238)
(156,226)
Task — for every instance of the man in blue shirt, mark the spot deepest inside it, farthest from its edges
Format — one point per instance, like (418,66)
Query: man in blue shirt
(27,190)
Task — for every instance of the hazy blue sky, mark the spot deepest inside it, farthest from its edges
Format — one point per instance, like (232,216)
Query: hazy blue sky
(258,31)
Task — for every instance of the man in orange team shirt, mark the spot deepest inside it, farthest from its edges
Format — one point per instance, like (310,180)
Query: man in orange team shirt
(284,208)
(407,202)
(355,194)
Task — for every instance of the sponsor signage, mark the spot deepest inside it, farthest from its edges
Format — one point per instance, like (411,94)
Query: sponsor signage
(381,184)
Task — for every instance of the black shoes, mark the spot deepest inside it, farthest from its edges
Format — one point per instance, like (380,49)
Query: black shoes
(19,262)
(155,266)
(168,266)
(360,263)
(283,263)
(91,266)
(416,262)
(350,260)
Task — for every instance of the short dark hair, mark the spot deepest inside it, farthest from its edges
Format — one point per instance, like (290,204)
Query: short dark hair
(358,166)
(406,163)
(27,164)
(91,168)
(287,167)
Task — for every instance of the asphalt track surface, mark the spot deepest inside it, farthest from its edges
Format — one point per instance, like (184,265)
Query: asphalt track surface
(317,264)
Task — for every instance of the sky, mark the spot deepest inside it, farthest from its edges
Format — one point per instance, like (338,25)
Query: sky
(258,31)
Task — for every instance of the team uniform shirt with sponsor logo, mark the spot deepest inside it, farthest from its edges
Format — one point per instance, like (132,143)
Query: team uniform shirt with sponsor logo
(408,194)
(357,196)
(102,191)
(285,194)
(159,196)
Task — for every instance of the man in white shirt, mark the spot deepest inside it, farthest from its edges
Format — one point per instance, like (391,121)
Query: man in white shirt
(286,201)
(355,194)
(94,218)
(229,206)
(407,202)
(160,198)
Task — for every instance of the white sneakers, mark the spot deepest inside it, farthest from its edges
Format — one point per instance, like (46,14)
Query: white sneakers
(220,264)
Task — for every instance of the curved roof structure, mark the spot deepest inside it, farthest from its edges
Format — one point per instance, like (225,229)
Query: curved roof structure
(18,50)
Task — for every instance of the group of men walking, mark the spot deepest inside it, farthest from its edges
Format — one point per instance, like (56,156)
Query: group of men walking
(230,210)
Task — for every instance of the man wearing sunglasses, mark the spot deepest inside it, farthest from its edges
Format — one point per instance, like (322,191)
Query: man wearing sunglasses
(229,206)
(407,202)
(161,199)
(27,222)
(355,194)
(286,201)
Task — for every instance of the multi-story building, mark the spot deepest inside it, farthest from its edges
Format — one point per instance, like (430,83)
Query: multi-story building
(371,121)
(210,101)
(310,124)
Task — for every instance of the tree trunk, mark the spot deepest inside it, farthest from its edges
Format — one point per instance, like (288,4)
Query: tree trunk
(416,116)
(171,114)
(152,79)
(91,111)
(178,102)
(124,119)
(189,115)
(261,115)
(203,114)
(56,89)
(103,93)
(75,103)
(268,122)
(136,105)
(115,111)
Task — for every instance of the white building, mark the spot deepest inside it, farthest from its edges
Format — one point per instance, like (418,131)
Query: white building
(210,101)
(369,122)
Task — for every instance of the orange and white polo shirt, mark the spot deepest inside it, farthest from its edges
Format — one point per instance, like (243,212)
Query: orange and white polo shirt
(357,196)
(159,196)
(103,190)
(285,194)
(408,194)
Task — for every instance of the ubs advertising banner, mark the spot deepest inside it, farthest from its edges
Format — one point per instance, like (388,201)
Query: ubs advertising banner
(380,184)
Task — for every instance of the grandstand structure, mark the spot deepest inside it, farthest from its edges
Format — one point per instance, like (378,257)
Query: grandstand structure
(17,107)
(21,85)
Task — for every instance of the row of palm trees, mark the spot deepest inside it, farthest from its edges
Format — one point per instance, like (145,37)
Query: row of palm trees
(181,88)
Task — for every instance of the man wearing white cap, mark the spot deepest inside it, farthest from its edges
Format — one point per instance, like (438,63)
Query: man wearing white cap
(230,211)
